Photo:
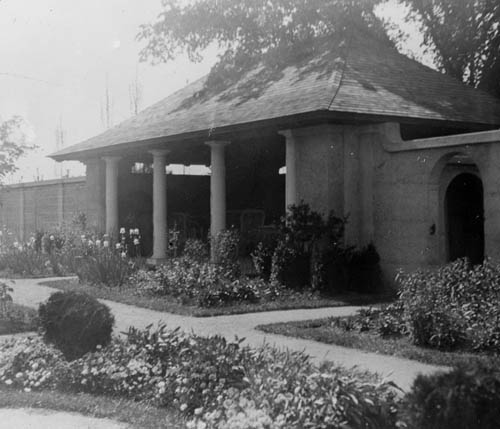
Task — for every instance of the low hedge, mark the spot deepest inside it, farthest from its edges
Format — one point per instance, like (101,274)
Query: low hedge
(76,323)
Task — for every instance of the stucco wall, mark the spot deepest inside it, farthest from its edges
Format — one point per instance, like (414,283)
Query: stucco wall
(320,167)
(41,206)
(409,222)
(392,196)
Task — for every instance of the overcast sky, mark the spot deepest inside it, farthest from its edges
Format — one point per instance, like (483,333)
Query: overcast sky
(55,58)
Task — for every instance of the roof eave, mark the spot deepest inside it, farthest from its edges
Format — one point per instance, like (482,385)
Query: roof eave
(272,125)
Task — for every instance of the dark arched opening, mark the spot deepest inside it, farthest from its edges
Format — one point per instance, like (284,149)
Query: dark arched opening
(465,218)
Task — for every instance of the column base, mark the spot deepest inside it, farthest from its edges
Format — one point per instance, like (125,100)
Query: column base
(155,261)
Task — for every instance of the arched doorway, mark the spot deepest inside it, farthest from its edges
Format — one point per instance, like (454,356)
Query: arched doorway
(465,218)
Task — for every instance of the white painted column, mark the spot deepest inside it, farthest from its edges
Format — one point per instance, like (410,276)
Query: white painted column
(160,229)
(291,169)
(112,195)
(217,187)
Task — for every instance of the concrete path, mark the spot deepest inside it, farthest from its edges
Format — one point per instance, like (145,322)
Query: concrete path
(400,371)
(31,418)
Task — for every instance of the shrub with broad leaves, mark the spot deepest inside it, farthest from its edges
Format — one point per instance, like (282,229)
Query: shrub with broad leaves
(465,397)
(198,282)
(453,306)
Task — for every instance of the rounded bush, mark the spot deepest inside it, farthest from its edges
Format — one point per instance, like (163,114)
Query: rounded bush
(466,398)
(75,323)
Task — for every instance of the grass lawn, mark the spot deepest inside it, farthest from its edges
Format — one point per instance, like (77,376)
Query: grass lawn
(126,295)
(19,319)
(137,414)
(323,330)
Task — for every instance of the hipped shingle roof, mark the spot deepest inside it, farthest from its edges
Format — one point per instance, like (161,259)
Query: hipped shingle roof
(370,78)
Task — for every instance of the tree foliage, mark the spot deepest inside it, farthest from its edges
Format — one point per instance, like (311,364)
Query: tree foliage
(464,36)
(252,31)
(13,143)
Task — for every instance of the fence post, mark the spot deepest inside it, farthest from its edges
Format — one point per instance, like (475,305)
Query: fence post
(60,202)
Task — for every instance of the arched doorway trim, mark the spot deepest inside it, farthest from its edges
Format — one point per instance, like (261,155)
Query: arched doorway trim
(447,167)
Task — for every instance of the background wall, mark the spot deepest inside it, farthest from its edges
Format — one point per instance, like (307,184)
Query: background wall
(41,206)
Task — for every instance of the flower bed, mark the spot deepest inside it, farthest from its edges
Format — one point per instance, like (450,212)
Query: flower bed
(212,382)
(130,294)
(452,309)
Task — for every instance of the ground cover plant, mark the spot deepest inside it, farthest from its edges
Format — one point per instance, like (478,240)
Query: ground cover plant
(446,316)
(210,382)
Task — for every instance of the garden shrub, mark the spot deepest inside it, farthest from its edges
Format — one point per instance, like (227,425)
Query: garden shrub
(387,321)
(225,246)
(455,305)
(75,323)
(364,270)
(196,250)
(304,251)
(201,283)
(262,257)
(300,228)
(465,397)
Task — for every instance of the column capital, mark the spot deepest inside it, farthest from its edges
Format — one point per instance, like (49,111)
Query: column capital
(95,160)
(217,143)
(159,152)
(286,133)
(111,158)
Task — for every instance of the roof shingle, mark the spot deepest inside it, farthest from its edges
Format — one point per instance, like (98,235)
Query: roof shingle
(371,79)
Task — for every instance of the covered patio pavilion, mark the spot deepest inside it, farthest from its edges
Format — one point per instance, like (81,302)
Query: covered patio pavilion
(135,190)
(366,135)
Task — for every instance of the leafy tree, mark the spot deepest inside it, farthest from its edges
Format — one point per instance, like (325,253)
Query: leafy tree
(13,143)
(464,36)
(251,31)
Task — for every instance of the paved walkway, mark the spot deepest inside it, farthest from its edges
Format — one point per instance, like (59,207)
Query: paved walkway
(31,418)
(400,371)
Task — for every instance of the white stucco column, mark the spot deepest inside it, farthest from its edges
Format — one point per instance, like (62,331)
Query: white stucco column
(217,187)
(112,195)
(160,229)
(291,169)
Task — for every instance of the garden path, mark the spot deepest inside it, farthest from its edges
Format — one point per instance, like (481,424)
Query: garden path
(30,418)
(400,371)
